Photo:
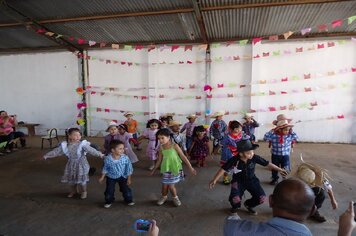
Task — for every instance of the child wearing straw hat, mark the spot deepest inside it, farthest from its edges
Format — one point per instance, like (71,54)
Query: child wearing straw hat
(132,127)
(177,137)
(218,129)
(113,135)
(316,178)
(188,128)
(244,178)
(249,126)
(281,140)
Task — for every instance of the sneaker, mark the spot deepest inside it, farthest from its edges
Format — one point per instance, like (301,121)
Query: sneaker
(162,200)
(70,195)
(151,167)
(83,195)
(226,180)
(250,210)
(318,218)
(130,203)
(176,201)
(274,182)
(107,205)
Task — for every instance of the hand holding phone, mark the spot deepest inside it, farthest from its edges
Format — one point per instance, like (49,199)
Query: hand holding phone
(142,225)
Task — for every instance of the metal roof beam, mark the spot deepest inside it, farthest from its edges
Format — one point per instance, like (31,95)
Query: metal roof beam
(200,20)
(271,4)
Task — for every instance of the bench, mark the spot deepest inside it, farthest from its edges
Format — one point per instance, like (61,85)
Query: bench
(30,128)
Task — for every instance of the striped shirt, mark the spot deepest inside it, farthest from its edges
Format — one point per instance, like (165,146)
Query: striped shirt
(115,169)
(280,149)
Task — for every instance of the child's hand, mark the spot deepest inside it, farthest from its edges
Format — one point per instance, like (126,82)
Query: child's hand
(334,204)
(193,171)
(102,156)
(101,179)
(212,184)
(128,181)
(152,172)
(283,172)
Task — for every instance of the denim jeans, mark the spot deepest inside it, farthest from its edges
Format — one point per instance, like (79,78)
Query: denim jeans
(282,162)
(253,186)
(319,196)
(110,190)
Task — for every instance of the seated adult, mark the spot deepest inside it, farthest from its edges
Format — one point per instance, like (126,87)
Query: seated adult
(7,131)
(292,202)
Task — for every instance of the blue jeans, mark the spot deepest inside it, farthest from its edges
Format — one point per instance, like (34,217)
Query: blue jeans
(282,162)
(188,142)
(110,190)
(253,186)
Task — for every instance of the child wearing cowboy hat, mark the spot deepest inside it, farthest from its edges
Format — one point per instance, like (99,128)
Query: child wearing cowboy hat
(244,178)
(177,137)
(218,129)
(188,128)
(316,178)
(113,135)
(281,139)
(132,127)
(249,126)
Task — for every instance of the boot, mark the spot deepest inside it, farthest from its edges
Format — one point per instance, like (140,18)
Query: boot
(317,217)
(23,142)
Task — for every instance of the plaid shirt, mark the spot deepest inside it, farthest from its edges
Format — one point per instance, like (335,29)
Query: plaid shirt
(115,169)
(280,149)
(218,129)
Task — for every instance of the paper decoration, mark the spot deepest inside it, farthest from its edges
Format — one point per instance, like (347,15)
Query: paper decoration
(351,19)
(287,34)
(273,37)
(322,27)
(336,23)
(306,30)
(91,43)
(80,91)
(243,42)
(50,34)
(256,40)
(188,47)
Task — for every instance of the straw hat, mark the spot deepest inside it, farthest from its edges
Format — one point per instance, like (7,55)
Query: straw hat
(111,124)
(174,123)
(312,175)
(282,124)
(192,116)
(245,145)
(217,114)
(281,117)
(128,113)
(247,115)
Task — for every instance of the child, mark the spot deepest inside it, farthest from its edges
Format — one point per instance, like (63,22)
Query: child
(177,137)
(218,128)
(244,177)
(170,158)
(164,122)
(113,135)
(117,169)
(125,138)
(249,126)
(152,126)
(77,167)
(132,128)
(188,128)
(229,143)
(316,178)
(281,140)
(200,146)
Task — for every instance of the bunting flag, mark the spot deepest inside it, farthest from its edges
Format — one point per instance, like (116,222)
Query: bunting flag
(287,34)
(351,19)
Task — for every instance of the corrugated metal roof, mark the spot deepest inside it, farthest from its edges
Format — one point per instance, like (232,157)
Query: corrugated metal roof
(19,37)
(45,9)
(253,22)
(133,29)
(215,3)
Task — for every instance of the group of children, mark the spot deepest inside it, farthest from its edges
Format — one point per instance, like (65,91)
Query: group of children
(167,148)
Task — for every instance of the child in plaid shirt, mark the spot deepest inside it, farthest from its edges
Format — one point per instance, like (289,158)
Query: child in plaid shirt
(281,139)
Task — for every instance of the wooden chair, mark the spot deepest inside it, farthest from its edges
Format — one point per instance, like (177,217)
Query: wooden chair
(52,134)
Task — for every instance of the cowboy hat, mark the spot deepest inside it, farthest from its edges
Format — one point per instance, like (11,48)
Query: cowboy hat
(281,117)
(247,115)
(245,145)
(174,122)
(312,174)
(191,116)
(217,114)
(282,124)
(111,124)
(128,113)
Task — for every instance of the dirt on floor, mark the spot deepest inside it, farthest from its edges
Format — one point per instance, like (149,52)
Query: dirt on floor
(34,202)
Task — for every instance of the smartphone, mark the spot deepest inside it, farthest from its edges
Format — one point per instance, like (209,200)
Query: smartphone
(142,225)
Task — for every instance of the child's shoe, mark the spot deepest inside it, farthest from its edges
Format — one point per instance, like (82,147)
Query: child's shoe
(274,182)
(130,203)
(107,205)
(250,210)
(317,217)
(176,201)
(70,195)
(83,195)
(162,200)
(151,167)
(226,180)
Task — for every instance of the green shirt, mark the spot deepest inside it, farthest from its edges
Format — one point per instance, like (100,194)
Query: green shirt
(171,161)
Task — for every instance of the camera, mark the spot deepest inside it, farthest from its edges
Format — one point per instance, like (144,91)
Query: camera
(142,225)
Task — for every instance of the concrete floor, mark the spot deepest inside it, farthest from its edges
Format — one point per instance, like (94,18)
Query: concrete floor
(33,201)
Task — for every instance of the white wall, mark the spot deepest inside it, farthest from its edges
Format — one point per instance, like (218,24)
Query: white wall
(40,88)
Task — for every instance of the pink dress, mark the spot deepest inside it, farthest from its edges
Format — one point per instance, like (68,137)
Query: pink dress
(152,148)
(125,138)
